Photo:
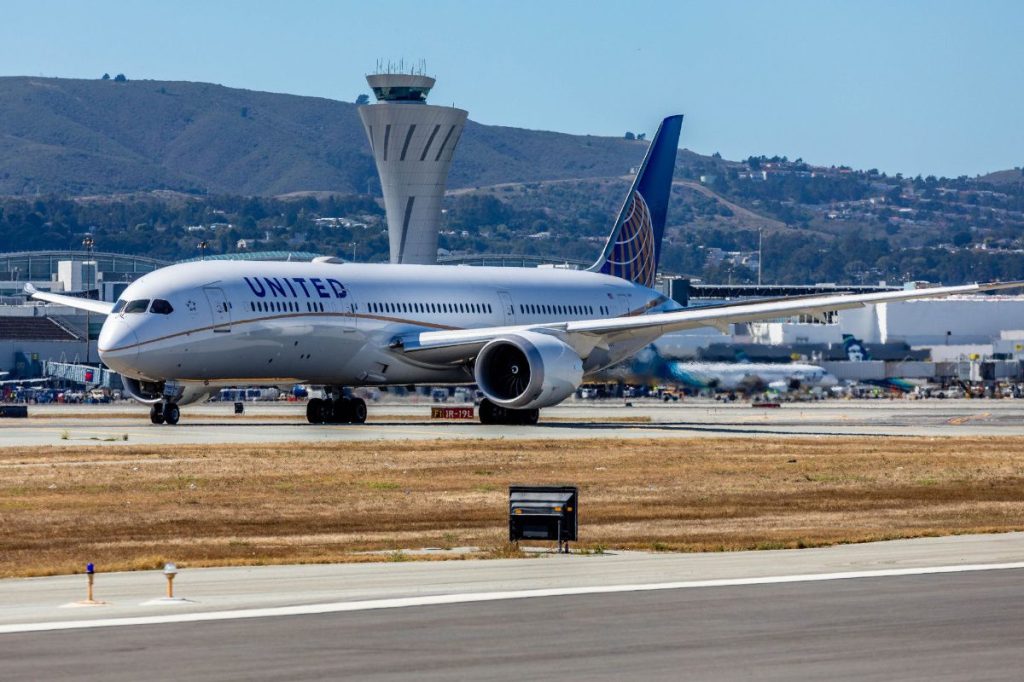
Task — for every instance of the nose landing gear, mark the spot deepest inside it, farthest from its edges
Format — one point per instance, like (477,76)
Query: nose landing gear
(164,413)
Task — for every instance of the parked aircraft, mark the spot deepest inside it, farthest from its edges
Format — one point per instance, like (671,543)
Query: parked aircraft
(527,337)
(648,366)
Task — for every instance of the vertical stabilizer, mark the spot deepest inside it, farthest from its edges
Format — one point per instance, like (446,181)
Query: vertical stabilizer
(634,245)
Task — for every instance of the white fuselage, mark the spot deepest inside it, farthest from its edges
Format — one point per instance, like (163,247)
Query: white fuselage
(731,376)
(241,322)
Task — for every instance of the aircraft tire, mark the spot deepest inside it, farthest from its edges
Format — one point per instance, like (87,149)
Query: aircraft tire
(342,411)
(357,411)
(488,412)
(171,414)
(530,417)
(156,413)
(314,411)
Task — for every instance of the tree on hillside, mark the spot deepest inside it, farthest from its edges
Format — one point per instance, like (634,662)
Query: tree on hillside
(630,136)
(363,99)
(120,78)
(106,77)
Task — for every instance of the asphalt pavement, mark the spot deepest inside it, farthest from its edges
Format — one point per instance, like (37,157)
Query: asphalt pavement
(964,626)
(213,423)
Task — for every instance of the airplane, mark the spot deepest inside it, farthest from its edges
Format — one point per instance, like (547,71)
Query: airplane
(526,337)
(856,351)
(650,365)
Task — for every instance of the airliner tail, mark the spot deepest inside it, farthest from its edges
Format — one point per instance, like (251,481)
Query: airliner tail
(634,245)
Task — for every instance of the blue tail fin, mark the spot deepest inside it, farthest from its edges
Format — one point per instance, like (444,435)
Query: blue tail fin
(634,246)
(855,349)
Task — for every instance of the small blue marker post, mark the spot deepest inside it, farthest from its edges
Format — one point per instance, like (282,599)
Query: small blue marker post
(90,570)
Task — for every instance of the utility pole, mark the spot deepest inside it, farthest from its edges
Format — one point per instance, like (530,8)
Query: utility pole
(760,254)
(88,243)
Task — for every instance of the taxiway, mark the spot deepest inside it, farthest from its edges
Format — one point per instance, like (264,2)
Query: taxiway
(284,422)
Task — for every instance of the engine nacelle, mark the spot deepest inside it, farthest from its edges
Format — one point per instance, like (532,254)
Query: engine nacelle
(528,370)
(150,392)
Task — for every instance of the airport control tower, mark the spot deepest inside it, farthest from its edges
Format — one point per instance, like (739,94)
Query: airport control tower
(412,143)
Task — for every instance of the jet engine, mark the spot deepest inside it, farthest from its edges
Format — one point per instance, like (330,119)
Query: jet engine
(150,392)
(528,370)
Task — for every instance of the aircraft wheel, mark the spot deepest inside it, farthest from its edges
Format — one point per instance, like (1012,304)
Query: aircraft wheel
(530,417)
(488,412)
(314,411)
(171,414)
(357,411)
(156,413)
(342,411)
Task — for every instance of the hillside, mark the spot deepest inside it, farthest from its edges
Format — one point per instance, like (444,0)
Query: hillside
(156,167)
(83,137)
(1012,176)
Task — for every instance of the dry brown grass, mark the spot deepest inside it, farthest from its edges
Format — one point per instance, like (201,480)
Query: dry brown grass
(134,507)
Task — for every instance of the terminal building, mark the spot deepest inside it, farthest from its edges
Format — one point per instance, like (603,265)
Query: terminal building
(413,144)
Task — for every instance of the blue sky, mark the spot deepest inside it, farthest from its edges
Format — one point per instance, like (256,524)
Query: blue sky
(903,86)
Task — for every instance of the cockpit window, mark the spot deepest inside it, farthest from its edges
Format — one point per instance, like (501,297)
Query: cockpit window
(119,306)
(138,306)
(161,307)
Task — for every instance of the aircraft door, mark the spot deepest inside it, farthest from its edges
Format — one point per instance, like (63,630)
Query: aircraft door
(351,311)
(220,309)
(508,310)
(623,304)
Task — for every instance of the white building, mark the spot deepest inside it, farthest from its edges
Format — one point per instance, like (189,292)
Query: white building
(413,144)
(957,321)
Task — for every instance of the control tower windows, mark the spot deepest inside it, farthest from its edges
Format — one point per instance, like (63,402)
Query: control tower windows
(400,94)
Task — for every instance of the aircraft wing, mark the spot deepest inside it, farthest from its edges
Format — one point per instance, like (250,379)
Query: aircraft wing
(101,307)
(460,345)
(11,382)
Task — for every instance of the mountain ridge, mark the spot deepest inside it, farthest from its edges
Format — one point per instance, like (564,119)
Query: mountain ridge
(78,137)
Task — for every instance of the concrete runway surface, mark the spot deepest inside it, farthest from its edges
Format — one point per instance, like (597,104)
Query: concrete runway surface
(888,617)
(948,627)
(281,422)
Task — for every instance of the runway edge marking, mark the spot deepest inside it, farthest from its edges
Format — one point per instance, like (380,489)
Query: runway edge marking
(472,597)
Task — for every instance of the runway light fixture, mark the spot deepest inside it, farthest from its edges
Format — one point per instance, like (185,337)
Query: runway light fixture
(170,570)
(90,572)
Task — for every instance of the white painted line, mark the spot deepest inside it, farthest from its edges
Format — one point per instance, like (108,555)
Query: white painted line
(471,597)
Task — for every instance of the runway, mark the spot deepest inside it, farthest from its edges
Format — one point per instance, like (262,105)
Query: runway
(927,628)
(961,625)
(285,422)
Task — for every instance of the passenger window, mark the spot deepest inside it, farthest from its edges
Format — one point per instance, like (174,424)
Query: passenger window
(138,306)
(161,307)
(118,307)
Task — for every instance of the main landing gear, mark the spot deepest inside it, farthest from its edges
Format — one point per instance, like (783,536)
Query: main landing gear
(494,414)
(164,413)
(340,411)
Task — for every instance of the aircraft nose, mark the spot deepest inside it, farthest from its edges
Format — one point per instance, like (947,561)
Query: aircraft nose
(118,344)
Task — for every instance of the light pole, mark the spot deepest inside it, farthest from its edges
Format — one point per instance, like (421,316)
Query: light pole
(353,245)
(760,254)
(203,245)
(88,243)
